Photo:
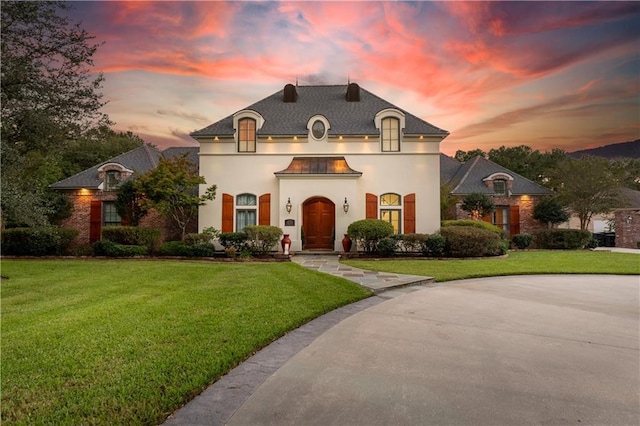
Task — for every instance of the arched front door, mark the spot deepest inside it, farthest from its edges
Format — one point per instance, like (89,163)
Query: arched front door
(318,223)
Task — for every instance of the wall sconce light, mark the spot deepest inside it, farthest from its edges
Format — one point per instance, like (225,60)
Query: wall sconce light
(345,206)
(288,205)
(629,219)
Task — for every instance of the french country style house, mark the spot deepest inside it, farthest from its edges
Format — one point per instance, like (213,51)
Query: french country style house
(313,159)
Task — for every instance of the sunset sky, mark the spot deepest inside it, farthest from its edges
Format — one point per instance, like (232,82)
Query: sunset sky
(543,74)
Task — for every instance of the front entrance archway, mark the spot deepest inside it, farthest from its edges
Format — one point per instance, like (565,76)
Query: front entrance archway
(318,223)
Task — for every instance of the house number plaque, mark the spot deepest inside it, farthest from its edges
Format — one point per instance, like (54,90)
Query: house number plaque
(289,222)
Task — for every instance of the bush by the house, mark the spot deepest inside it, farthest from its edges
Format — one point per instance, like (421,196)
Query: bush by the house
(469,241)
(179,248)
(410,243)
(50,241)
(522,241)
(261,239)
(434,245)
(387,247)
(237,240)
(110,249)
(368,232)
(132,236)
(563,239)
(474,223)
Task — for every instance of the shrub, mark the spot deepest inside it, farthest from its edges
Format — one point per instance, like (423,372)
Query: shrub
(522,241)
(236,240)
(111,249)
(387,247)
(179,248)
(434,245)
(367,232)
(469,241)
(411,243)
(261,239)
(475,223)
(132,236)
(51,241)
(563,239)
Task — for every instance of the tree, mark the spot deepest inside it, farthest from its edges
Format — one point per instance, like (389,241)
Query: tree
(447,202)
(532,164)
(48,96)
(130,204)
(550,211)
(588,186)
(172,189)
(478,205)
(464,156)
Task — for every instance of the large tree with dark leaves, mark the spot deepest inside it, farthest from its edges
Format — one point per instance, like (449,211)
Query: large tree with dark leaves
(49,96)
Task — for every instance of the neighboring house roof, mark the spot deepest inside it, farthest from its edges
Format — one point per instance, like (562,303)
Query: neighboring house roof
(345,118)
(468,177)
(318,166)
(632,198)
(140,160)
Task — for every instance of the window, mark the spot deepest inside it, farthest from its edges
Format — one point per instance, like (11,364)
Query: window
(500,187)
(390,134)
(247,135)
(390,210)
(110,216)
(246,211)
(112,178)
(500,218)
(318,129)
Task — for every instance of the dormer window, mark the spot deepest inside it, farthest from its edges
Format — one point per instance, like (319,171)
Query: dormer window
(318,129)
(500,187)
(390,134)
(247,135)
(318,126)
(112,179)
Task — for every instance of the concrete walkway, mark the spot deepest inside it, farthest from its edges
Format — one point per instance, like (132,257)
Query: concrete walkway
(378,282)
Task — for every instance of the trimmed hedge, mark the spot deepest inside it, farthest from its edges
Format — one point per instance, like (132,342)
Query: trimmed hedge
(237,240)
(410,243)
(368,232)
(111,249)
(470,241)
(387,247)
(178,248)
(434,245)
(522,241)
(261,239)
(52,241)
(474,223)
(563,239)
(132,236)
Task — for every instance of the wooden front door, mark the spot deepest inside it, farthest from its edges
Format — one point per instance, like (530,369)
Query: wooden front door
(318,223)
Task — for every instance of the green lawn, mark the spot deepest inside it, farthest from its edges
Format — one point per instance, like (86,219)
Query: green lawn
(516,263)
(128,342)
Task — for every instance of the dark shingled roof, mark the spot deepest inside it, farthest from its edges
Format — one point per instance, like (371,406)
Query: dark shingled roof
(468,177)
(318,166)
(345,118)
(140,160)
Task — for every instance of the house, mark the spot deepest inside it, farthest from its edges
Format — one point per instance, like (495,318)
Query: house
(513,194)
(314,159)
(92,192)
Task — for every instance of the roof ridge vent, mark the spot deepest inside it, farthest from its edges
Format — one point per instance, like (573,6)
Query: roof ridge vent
(353,92)
(290,93)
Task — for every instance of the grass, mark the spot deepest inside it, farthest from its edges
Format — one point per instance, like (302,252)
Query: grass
(516,263)
(128,342)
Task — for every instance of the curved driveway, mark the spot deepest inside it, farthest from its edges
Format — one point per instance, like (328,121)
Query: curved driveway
(560,349)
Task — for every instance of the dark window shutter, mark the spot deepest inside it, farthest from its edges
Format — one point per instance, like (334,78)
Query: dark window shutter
(410,214)
(514,220)
(264,209)
(95,221)
(227,213)
(372,206)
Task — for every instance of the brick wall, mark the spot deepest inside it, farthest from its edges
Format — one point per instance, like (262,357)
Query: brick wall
(81,214)
(627,225)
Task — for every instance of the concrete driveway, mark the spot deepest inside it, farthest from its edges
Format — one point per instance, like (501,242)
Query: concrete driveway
(561,349)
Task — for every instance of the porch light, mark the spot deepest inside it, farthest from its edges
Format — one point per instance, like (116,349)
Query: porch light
(345,206)
(288,205)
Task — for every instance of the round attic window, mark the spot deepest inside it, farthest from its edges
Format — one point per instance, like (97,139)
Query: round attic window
(318,130)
